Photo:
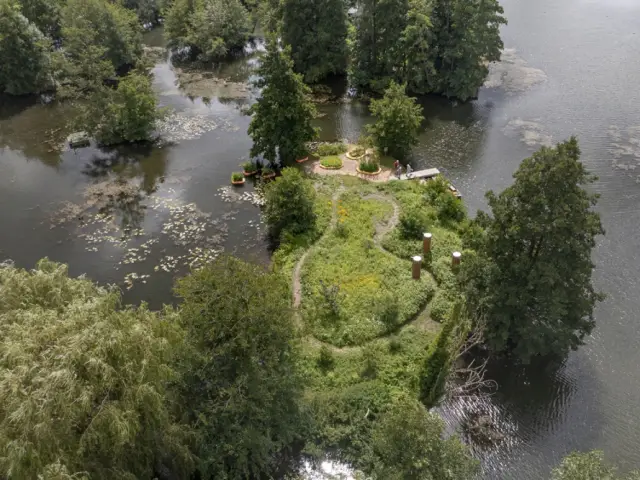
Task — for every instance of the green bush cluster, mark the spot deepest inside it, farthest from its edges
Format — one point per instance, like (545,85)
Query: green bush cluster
(415,221)
(369,165)
(332,162)
(326,149)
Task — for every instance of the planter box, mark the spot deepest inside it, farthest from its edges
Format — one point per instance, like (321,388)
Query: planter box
(302,160)
(249,174)
(371,174)
(237,182)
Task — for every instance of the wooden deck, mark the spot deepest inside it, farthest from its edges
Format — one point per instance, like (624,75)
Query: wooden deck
(428,173)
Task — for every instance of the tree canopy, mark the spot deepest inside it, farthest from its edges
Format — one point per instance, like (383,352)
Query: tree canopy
(25,62)
(213,28)
(83,381)
(281,123)
(316,30)
(398,119)
(289,204)
(589,466)
(241,381)
(531,281)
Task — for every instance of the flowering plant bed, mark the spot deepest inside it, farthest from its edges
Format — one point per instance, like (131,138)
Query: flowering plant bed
(249,169)
(237,178)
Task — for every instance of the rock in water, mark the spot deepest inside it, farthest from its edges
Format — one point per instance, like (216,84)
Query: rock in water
(79,140)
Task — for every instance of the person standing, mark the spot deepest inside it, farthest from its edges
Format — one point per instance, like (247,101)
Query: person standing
(398,168)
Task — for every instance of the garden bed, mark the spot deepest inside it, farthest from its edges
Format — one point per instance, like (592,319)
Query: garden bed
(332,162)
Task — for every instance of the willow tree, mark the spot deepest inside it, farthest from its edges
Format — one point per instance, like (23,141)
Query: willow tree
(83,382)
(317,33)
(531,282)
(281,123)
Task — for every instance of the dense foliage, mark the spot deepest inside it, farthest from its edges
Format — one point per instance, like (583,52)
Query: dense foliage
(589,466)
(241,381)
(25,62)
(44,14)
(83,381)
(289,204)
(212,28)
(317,33)
(532,279)
(125,114)
(398,119)
(281,123)
(442,46)
(408,444)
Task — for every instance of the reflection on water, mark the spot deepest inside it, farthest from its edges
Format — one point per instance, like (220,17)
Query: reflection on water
(560,77)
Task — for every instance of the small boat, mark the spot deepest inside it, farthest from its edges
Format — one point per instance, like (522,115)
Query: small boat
(455,191)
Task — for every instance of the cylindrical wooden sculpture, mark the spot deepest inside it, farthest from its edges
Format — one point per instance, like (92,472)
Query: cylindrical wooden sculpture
(415,267)
(426,243)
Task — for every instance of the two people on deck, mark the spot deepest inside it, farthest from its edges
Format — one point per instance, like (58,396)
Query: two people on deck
(398,166)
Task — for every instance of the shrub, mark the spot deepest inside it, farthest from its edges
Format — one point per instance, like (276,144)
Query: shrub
(369,165)
(395,344)
(415,222)
(289,203)
(450,209)
(332,162)
(441,306)
(442,271)
(357,151)
(435,187)
(325,360)
(326,149)
(267,171)
(237,176)
(250,166)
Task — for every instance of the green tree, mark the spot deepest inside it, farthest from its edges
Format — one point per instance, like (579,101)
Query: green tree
(83,381)
(418,69)
(281,123)
(466,36)
(25,63)
(437,364)
(289,204)
(377,52)
(317,33)
(408,443)
(91,25)
(532,279)
(127,114)
(213,28)
(242,382)
(588,466)
(398,119)
(44,14)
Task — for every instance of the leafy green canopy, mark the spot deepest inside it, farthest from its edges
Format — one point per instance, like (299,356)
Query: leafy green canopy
(213,28)
(83,382)
(532,279)
(281,123)
(408,444)
(241,380)
(289,204)
(25,63)
(45,14)
(398,119)
(588,466)
(104,25)
(317,33)
(127,114)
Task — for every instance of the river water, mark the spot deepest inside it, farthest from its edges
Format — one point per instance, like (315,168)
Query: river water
(570,67)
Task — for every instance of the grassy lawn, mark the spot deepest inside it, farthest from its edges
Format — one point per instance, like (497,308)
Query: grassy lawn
(353,291)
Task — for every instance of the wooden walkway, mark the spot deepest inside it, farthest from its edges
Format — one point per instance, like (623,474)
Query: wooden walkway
(428,173)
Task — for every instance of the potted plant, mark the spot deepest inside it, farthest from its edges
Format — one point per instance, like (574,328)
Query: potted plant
(369,166)
(237,178)
(332,162)
(303,157)
(268,172)
(249,168)
(356,153)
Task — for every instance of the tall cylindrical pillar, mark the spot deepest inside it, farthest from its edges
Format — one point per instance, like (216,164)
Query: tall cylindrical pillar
(416,266)
(455,258)
(426,243)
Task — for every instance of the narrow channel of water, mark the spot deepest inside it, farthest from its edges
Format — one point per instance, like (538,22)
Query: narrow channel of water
(570,67)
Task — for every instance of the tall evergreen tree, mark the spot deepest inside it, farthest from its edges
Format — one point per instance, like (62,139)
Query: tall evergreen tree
(281,123)
(317,33)
(377,52)
(418,69)
(532,280)
(466,38)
